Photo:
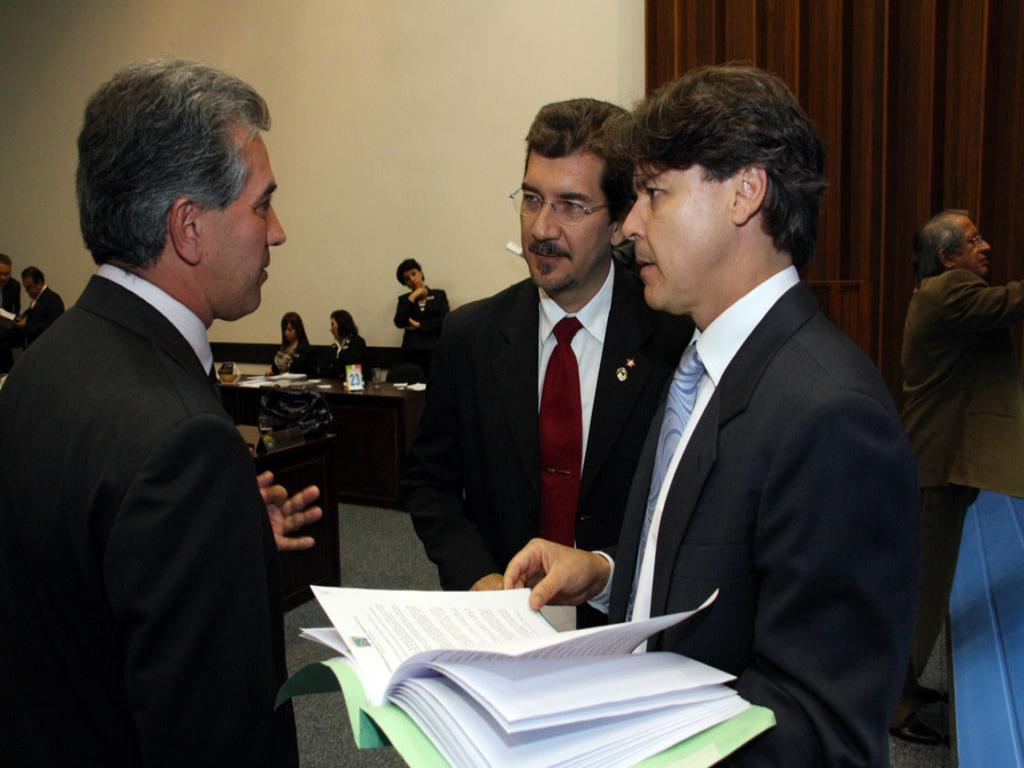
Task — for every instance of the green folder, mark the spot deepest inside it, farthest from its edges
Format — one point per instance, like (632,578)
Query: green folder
(379,726)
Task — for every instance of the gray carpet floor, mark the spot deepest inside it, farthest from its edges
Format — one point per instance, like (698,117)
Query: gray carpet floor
(379,549)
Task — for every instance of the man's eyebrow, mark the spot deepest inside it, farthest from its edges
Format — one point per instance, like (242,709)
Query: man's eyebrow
(527,187)
(643,178)
(267,193)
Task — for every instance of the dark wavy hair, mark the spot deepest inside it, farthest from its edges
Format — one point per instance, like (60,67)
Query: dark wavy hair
(35,273)
(293,319)
(346,325)
(725,118)
(566,128)
(404,267)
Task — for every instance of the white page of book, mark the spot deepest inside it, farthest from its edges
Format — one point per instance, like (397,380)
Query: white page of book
(534,693)
(383,628)
(466,735)
(391,634)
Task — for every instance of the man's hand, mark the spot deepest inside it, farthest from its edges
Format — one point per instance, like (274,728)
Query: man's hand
(417,294)
(289,515)
(558,575)
(489,582)
(413,323)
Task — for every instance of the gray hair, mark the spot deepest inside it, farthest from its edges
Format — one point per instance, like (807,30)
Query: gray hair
(940,233)
(157,131)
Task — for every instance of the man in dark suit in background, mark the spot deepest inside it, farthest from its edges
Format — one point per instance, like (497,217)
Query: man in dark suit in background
(475,483)
(964,412)
(140,610)
(10,302)
(44,306)
(791,486)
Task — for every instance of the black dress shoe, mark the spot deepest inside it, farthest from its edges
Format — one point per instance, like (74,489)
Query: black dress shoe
(916,732)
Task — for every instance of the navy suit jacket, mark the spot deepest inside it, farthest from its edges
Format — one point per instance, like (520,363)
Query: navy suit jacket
(140,610)
(796,498)
(472,479)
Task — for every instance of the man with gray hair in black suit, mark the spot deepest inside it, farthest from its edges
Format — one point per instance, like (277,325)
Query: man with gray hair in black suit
(141,610)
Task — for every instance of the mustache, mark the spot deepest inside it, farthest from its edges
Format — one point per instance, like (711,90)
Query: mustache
(547,248)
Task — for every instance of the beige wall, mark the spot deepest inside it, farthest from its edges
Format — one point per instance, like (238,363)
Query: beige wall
(398,130)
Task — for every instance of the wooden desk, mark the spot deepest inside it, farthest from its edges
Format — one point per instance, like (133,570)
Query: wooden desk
(311,463)
(374,430)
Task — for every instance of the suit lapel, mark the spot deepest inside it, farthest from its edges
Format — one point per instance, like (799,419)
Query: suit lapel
(515,371)
(730,399)
(630,326)
(109,300)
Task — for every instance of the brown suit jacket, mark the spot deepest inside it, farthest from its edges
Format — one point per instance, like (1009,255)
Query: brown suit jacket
(964,403)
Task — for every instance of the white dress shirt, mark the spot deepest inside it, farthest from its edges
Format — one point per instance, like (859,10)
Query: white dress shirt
(587,344)
(181,317)
(717,346)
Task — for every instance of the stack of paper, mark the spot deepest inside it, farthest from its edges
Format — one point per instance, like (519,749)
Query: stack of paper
(490,683)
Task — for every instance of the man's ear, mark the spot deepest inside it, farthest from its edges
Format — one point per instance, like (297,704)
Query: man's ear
(749,186)
(183,230)
(947,258)
(617,237)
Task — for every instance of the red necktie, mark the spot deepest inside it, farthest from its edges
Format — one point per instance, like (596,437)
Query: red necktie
(561,439)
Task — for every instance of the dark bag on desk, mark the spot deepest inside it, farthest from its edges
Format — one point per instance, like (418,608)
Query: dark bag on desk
(282,409)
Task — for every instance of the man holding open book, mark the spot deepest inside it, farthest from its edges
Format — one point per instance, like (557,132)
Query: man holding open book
(777,470)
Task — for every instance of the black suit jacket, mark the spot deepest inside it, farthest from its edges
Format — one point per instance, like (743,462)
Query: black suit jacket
(430,317)
(10,299)
(49,306)
(796,497)
(11,296)
(472,479)
(140,611)
(331,362)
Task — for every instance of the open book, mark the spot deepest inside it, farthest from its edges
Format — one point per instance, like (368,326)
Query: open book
(489,682)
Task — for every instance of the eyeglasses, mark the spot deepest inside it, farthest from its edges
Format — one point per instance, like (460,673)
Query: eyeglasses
(565,211)
(975,239)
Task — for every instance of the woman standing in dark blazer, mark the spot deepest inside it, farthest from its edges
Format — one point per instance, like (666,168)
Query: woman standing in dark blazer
(421,311)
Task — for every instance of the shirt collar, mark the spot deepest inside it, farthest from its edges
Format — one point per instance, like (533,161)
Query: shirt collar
(593,316)
(181,317)
(721,340)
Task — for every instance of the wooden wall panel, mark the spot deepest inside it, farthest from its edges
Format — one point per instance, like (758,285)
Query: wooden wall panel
(913,130)
(1002,180)
(821,94)
(741,30)
(921,106)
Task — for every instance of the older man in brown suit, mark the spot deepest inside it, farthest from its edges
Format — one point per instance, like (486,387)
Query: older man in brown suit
(964,413)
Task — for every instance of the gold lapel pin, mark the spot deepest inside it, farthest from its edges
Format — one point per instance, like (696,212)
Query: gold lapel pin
(622,374)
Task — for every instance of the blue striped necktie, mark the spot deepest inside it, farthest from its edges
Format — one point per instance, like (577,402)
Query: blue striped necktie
(679,405)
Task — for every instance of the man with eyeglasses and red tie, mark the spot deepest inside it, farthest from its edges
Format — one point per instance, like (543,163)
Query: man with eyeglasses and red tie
(540,396)
(964,412)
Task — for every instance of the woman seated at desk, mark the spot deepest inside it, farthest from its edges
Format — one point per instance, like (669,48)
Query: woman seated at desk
(420,312)
(296,353)
(348,347)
